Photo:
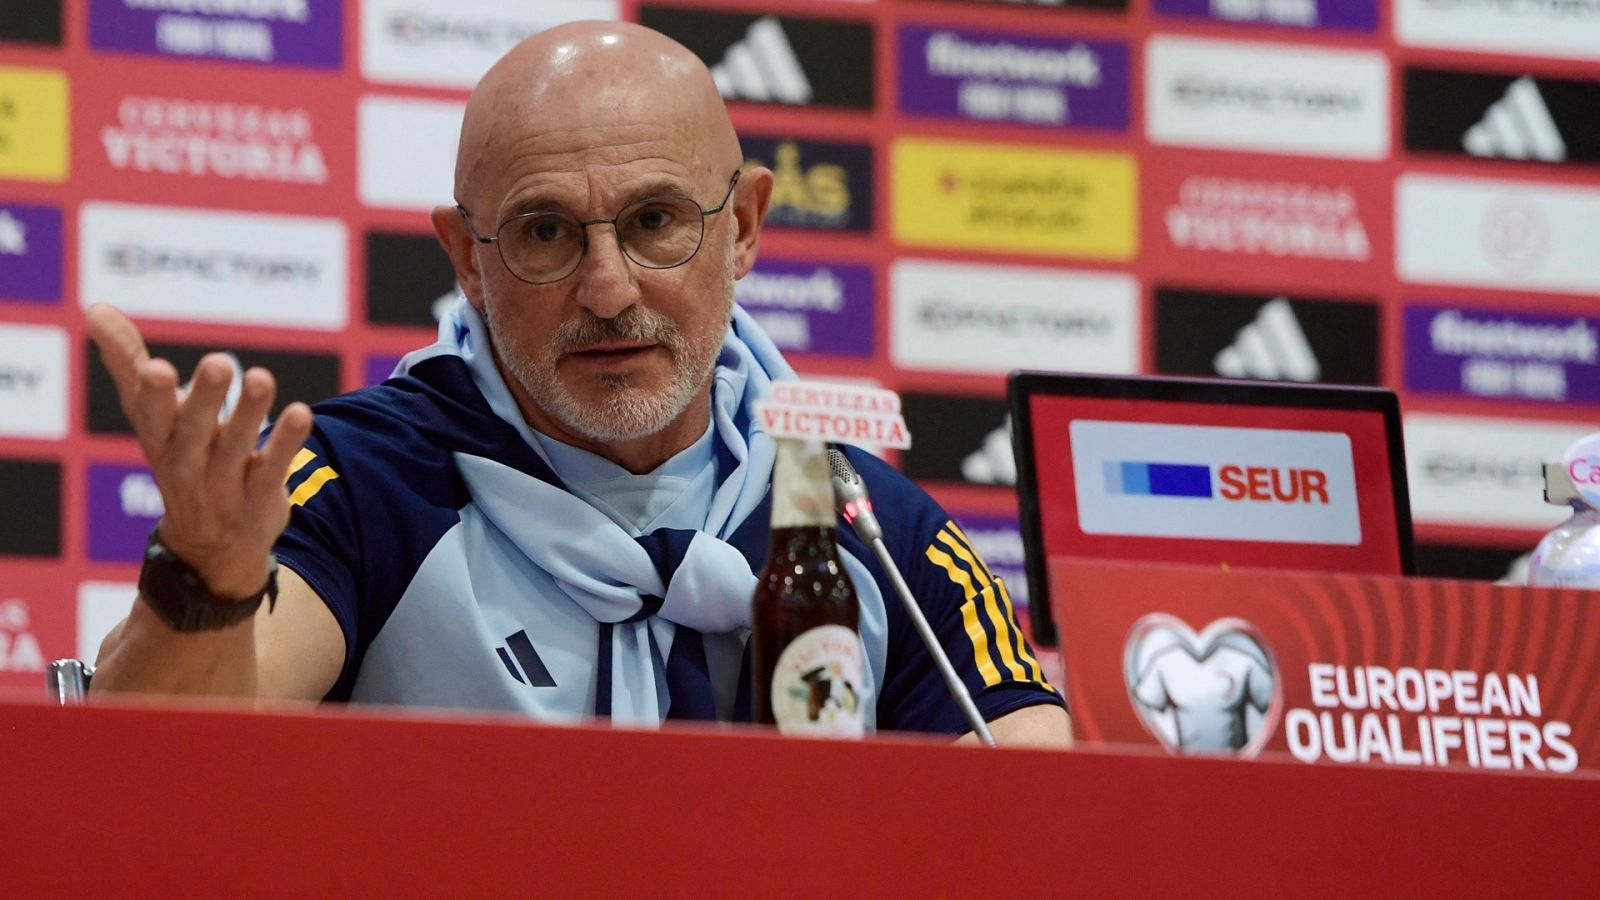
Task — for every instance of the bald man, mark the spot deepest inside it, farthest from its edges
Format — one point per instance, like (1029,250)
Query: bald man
(557,508)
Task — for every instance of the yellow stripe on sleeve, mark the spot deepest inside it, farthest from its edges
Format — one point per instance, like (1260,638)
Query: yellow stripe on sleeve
(1002,629)
(311,485)
(969,615)
(298,463)
(967,542)
(1022,645)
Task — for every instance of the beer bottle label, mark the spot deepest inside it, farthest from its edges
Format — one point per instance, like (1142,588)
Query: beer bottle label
(816,687)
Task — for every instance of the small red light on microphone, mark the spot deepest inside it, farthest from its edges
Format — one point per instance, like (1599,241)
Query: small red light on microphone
(850,511)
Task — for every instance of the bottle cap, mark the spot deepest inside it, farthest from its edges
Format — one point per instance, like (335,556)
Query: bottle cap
(1580,468)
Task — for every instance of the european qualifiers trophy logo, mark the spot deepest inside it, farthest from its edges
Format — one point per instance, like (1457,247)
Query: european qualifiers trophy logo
(1217,691)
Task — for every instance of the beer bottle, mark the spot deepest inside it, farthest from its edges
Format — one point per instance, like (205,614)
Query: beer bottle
(806,658)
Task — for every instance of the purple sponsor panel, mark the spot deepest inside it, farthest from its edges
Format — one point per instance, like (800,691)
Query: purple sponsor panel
(992,77)
(30,253)
(379,368)
(280,32)
(1500,354)
(1344,15)
(998,540)
(124,506)
(811,307)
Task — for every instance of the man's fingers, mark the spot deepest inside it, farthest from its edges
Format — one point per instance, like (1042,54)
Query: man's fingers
(153,405)
(288,435)
(238,435)
(197,414)
(122,348)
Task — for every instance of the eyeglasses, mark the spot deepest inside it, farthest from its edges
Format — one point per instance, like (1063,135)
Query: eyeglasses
(656,233)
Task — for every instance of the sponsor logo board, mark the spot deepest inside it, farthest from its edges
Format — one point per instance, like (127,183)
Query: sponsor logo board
(1207,482)
(101,605)
(307,377)
(377,369)
(810,307)
(409,279)
(124,507)
(231,140)
(213,266)
(981,318)
(1015,199)
(1502,354)
(33,630)
(1481,471)
(30,253)
(958,439)
(407,151)
(306,33)
(1266,337)
(1115,5)
(1236,95)
(33,486)
(1567,29)
(33,124)
(1499,234)
(998,540)
(451,43)
(994,77)
(1502,116)
(32,22)
(33,381)
(1343,15)
(776,59)
(816,184)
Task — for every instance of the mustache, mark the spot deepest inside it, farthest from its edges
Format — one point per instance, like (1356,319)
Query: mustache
(632,324)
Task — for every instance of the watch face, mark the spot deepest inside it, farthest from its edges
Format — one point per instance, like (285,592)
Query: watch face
(174,590)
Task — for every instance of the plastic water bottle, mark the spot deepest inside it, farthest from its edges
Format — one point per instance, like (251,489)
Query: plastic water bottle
(1569,556)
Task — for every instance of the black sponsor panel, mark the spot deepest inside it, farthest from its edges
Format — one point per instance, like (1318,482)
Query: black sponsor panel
(407,277)
(307,377)
(958,439)
(816,184)
(1470,563)
(776,59)
(31,492)
(31,21)
(1266,337)
(1516,117)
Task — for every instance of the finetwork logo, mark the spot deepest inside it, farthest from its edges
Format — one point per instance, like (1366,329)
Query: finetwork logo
(30,253)
(1273,338)
(451,43)
(1481,471)
(1271,98)
(1503,354)
(1267,218)
(124,504)
(1568,29)
(1488,116)
(1215,691)
(235,141)
(34,384)
(815,184)
(211,266)
(1345,15)
(1191,481)
(286,32)
(811,307)
(958,316)
(776,59)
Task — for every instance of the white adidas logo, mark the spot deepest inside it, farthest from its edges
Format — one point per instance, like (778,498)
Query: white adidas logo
(1517,126)
(1272,347)
(993,462)
(762,67)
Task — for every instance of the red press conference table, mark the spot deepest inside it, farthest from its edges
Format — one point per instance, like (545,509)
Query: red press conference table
(120,801)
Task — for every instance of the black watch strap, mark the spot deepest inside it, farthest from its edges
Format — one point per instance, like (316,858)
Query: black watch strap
(179,596)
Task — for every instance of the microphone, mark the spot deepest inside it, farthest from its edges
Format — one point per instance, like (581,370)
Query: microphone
(851,500)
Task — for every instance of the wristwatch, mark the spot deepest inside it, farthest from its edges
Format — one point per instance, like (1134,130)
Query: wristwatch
(176,592)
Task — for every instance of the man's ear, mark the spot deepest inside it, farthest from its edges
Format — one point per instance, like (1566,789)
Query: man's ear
(749,211)
(458,242)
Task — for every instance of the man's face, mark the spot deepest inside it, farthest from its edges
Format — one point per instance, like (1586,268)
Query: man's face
(615,351)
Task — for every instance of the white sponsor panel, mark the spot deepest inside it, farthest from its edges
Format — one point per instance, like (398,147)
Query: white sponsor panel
(979,318)
(1240,95)
(214,266)
(1568,29)
(451,43)
(33,381)
(1503,234)
(101,605)
(1466,470)
(408,151)
(1272,485)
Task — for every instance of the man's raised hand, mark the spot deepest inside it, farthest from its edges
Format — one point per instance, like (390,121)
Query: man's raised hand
(224,498)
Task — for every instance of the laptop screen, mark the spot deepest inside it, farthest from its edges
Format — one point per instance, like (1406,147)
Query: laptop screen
(1207,472)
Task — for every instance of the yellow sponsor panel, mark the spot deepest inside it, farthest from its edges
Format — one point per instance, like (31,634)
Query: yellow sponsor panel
(1017,199)
(33,124)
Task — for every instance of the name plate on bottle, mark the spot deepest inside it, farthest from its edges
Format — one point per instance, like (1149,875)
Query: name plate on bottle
(841,413)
